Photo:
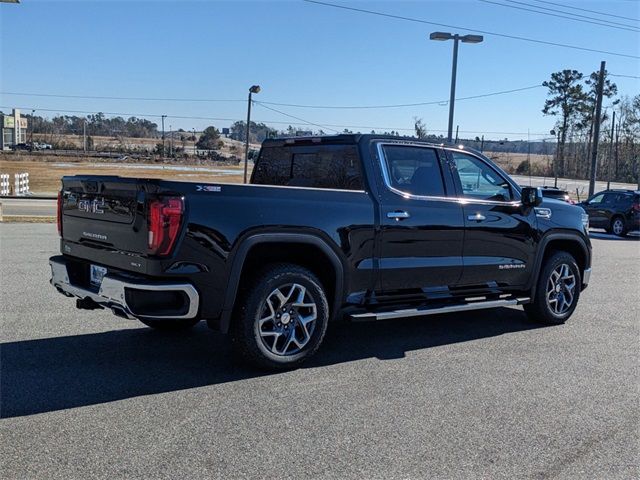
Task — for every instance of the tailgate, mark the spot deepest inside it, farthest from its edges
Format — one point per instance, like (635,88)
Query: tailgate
(105,212)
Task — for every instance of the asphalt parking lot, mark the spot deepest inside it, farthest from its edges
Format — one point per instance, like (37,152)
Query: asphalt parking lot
(474,395)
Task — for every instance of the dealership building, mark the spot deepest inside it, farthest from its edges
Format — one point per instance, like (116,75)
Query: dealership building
(13,130)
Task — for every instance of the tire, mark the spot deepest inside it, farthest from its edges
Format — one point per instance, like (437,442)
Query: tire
(281,317)
(619,227)
(167,325)
(559,281)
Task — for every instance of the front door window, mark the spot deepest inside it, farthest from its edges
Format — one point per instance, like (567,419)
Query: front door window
(479,181)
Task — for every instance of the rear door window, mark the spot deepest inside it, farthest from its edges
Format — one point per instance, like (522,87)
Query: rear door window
(609,199)
(322,166)
(414,170)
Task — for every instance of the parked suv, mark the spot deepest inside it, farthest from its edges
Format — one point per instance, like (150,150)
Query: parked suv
(617,211)
(557,193)
(362,226)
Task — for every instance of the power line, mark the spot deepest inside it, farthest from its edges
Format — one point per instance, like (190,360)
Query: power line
(326,126)
(434,102)
(623,76)
(587,10)
(292,116)
(632,29)
(485,32)
(400,105)
(142,115)
(371,127)
(576,15)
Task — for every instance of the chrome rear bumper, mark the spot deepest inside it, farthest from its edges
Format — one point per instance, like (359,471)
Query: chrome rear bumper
(586,276)
(112,295)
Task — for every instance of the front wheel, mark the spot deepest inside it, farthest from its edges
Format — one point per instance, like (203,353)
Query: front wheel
(282,317)
(557,291)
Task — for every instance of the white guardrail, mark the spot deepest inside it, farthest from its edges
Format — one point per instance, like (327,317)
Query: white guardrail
(20,184)
(4,184)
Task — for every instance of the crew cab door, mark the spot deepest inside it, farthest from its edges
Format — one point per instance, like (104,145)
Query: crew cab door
(500,235)
(421,227)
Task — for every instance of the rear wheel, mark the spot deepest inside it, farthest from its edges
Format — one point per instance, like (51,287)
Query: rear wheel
(167,325)
(557,291)
(281,318)
(618,226)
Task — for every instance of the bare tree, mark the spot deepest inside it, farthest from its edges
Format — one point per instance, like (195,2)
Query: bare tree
(420,127)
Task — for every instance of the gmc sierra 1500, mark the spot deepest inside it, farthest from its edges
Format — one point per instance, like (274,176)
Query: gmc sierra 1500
(359,226)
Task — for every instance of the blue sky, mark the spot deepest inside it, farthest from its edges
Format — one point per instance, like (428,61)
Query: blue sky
(302,53)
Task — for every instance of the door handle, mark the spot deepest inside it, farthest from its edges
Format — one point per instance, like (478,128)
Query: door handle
(478,217)
(398,215)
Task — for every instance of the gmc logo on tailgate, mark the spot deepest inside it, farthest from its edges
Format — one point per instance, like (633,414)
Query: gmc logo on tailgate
(91,206)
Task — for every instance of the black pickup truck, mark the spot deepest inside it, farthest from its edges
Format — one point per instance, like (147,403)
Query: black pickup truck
(364,227)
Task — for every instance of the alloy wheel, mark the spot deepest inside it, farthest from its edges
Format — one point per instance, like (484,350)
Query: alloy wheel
(287,319)
(561,288)
(618,226)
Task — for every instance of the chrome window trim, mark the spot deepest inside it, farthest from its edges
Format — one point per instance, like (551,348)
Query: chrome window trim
(514,186)
(462,200)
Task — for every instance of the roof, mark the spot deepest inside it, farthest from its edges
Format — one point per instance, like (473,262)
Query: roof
(347,139)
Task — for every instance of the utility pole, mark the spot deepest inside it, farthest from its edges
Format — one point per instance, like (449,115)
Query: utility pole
(33,124)
(557,157)
(529,155)
(170,141)
(482,144)
(610,162)
(596,131)
(195,149)
(163,117)
(457,127)
(84,135)
(615,155)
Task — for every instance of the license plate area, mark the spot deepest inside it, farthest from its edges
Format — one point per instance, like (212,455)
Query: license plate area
(96,274)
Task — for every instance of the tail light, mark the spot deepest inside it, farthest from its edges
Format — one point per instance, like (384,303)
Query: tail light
(165,218)
(59,219)
(636,207)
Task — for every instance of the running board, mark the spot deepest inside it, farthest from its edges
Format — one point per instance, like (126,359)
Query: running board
(427,310)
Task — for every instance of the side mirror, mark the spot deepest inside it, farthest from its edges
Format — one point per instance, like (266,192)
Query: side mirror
(531,196)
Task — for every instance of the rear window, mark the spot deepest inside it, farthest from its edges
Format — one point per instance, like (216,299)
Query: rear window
(322,166)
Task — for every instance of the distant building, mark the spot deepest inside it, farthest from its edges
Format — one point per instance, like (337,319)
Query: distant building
(13,129)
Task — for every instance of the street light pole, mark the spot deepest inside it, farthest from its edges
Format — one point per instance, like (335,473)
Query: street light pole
(252,90)
(452,95)
(442,36)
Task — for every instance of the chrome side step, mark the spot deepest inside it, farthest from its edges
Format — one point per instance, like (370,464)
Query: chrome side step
(430,310)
